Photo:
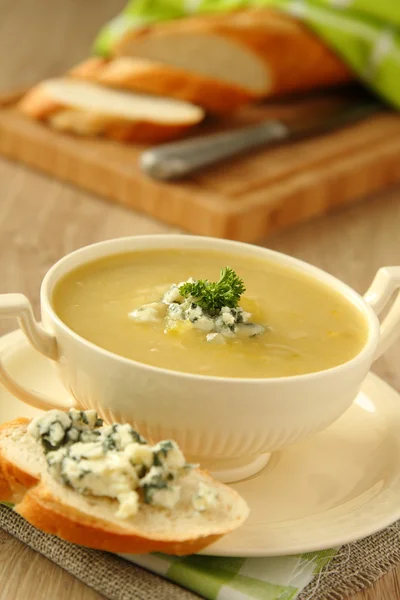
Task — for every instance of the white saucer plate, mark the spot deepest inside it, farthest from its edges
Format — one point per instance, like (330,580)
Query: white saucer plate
(334,488)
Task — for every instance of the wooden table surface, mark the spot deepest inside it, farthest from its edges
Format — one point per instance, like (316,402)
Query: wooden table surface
(42,219)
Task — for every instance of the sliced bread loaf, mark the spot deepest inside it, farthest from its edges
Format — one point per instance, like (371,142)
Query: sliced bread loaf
(147,76)
(262,52)
(88,109)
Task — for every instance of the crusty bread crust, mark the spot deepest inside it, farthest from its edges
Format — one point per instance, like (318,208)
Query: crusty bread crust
(90,69)
(13,481)
(88,124)
(48,514)
(38,505)
(295,59)
(150,77)
(38,104)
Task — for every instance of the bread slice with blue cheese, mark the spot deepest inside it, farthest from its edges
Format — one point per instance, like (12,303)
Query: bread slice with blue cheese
(105,487)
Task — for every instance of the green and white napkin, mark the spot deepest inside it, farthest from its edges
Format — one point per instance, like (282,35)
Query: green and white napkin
(365,33)
(216,578)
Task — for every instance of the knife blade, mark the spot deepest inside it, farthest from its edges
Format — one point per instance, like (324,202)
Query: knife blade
(179,159)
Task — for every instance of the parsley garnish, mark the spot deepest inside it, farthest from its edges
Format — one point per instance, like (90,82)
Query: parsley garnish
(213,295)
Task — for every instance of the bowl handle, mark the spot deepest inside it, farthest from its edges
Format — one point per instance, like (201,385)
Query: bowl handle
(18,305)
(384,285)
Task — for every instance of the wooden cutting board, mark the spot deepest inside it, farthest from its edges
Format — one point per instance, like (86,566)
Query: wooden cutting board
(245,199)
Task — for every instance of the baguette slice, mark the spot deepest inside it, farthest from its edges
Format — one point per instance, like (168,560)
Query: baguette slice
(264,53)
(88,109)
(146,76)
(91,521)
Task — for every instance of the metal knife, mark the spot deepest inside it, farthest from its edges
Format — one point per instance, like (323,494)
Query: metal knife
(178,159)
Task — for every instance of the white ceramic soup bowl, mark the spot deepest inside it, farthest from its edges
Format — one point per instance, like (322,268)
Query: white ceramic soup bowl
(227,424)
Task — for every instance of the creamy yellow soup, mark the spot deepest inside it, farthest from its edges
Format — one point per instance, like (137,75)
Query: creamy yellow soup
(309,327)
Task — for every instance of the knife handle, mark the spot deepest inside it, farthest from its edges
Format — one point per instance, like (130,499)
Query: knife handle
(178,159)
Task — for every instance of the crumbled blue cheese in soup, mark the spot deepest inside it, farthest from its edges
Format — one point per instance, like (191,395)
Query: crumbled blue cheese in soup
(112,461)
(175,311)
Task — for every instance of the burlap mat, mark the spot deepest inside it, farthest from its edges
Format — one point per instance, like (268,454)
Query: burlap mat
(355,567)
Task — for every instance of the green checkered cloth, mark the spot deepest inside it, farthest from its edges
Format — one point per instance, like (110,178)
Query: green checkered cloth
(216,578)
(365,33)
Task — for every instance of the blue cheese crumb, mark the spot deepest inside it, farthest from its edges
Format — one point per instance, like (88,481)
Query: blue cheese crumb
(226,323)
(111,461)
(205,498)
(128,504)
(215,338)
(173,295)
(167,497)
(148,313)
